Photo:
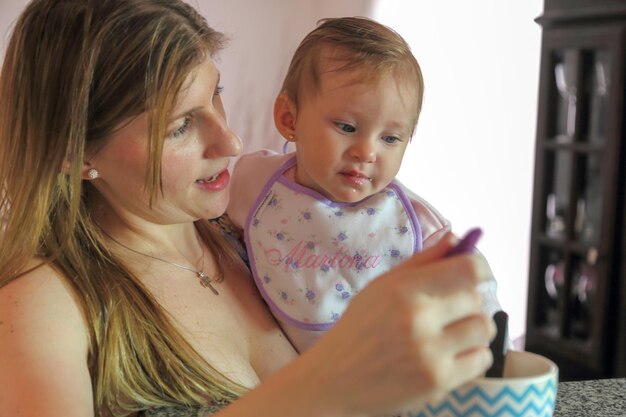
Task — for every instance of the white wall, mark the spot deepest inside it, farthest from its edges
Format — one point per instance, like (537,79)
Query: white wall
(473,153)
(472,156)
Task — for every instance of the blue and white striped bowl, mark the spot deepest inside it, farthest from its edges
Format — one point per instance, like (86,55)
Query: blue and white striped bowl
(527,389)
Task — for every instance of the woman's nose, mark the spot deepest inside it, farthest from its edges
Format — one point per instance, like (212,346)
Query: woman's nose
(363,150)
(221,141)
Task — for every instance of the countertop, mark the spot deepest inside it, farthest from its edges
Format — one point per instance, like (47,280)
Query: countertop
(596,398)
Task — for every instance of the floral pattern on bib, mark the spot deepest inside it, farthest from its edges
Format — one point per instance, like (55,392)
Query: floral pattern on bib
(310,256)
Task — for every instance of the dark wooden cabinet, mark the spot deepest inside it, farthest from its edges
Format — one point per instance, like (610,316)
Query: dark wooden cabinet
(577,282)
(620,355)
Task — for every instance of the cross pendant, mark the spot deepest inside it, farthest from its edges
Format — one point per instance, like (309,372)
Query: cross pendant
(206,282)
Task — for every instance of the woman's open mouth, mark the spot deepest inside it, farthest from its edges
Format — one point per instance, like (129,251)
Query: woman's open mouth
(216,182)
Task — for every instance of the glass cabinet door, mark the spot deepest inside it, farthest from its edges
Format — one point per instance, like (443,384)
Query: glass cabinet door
(598,86)
(588,216)
(565,73)
(558,185)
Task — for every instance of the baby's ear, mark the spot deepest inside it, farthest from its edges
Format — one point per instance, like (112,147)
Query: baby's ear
(285,117)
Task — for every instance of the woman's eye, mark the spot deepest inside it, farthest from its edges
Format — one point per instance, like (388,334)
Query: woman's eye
(218,90)
(182,129)
(390,139)
(345,127)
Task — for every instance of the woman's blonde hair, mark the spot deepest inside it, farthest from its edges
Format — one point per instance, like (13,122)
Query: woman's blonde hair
(359,44)
(74,71)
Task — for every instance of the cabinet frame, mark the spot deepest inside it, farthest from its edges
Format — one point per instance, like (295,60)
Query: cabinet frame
(603,353)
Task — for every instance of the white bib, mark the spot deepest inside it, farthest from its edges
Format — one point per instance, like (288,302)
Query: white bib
(309,256)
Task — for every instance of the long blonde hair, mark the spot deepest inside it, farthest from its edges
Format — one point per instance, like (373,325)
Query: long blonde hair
(74,71)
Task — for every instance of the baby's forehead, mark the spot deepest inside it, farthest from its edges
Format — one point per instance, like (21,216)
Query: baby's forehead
(366,76)
(334,61)
(353,89)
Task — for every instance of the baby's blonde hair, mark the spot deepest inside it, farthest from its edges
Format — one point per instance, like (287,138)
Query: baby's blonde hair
(360,44)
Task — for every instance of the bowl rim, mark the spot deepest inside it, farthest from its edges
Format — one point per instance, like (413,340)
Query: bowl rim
(552,371)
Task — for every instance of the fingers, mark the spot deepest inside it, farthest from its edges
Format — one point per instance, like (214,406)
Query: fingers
(453,326)
(445,276)
(469,333)
(431,272)
(452,337)
(469,365)
(433,314)
(457,356)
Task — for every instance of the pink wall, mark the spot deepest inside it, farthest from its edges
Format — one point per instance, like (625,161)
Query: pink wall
(9,10)
(263,36)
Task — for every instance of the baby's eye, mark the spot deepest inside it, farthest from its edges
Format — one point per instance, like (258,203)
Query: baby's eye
(345,127)
(182,129)
(390,139)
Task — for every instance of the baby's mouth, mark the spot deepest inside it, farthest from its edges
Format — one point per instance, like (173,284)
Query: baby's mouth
(356,178)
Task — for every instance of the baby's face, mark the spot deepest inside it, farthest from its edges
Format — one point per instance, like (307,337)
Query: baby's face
(352,133)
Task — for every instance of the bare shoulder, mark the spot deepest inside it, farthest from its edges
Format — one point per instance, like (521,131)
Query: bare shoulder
(43,347)
(40,301)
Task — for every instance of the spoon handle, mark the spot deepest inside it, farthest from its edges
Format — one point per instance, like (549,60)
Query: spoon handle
(498,345)
(466,244)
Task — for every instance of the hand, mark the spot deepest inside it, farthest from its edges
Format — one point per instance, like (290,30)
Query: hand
(411,335)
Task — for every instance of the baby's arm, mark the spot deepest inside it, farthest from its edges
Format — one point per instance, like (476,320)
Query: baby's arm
(249,176)
(434,226)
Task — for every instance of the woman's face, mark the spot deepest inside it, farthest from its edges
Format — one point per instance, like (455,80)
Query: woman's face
(196,153)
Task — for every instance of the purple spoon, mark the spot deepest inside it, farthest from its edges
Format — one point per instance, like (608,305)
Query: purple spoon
(466,244)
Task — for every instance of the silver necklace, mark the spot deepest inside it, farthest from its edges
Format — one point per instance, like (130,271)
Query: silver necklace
(205,280)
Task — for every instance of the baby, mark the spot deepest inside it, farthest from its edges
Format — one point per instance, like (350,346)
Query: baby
(323,222)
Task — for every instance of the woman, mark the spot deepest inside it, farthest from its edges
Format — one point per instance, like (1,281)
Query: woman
(117,296)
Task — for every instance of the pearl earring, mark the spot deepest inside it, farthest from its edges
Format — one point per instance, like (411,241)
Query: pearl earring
(93,174)
(291,136)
